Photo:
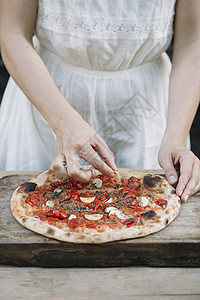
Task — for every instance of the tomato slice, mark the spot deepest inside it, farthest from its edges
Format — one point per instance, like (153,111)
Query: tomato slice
(161,202)
(52,221)
(54,184)
(134,204)
(101,206)
(73,223)
(59,213)
(132,194)
(129,222)
(124,191)
(134,182)
(102,197)
(35,201)
(136,210)
(75,197)
(104,177)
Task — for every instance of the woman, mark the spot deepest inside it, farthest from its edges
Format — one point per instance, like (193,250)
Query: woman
(98,68)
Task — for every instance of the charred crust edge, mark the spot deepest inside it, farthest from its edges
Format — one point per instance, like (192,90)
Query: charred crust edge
(27,187)
(149,215)
(151,181)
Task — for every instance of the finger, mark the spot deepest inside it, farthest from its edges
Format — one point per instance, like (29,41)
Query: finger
(169,169)
(193,184)
(74,170)
(89,154)
(58,166)
(101,147)
(186,167)
(185,197)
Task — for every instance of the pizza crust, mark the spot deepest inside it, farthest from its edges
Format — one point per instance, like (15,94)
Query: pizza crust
(151,225)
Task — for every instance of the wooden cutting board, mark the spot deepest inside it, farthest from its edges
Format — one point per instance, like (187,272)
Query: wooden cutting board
(176,245)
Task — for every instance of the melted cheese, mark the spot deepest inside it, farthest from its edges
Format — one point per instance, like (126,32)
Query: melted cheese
(110,200)
(143,202)
(117,176)
(72,217)
(97,182)
(50,203)
(87,199)
(93,217)
(114,211)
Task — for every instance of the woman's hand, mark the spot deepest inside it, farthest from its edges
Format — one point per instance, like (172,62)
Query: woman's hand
(181,166)
(75,139)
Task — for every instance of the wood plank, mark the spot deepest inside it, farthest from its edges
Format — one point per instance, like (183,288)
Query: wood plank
(11,173)
(176,245)
(106,283)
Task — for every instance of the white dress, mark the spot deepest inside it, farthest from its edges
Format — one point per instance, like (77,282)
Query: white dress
(107,57)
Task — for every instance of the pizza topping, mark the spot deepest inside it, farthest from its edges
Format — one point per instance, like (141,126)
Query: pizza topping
(59,213)
(87,199)
(35,201)
(120,215)
(129,222)
(50,203)
(117,177)
(133,182)
(57,191)
(143,202)
(110,209)
(72,217)
(110,200)
(114,211)
(97,182)
(161,202)
(93,217)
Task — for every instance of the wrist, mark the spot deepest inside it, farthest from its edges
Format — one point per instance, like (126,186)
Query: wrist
(172,137)
(61,117)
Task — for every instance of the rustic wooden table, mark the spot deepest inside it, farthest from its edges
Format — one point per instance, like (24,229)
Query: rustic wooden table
(162,265)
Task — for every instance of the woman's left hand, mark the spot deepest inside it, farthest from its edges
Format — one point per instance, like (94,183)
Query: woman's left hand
(181,166)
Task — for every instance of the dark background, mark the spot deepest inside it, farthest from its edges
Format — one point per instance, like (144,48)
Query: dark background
(195,129)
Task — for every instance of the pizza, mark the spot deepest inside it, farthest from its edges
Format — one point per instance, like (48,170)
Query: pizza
(130,205)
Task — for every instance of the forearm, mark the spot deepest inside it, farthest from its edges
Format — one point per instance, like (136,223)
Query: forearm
(32,76)
(184,92)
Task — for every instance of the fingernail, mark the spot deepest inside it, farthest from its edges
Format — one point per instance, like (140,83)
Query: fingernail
(186,198)
(172,179)
(181,192)
(110,174)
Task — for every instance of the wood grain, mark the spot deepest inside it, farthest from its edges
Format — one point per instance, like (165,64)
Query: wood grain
(176,245)
(115,283)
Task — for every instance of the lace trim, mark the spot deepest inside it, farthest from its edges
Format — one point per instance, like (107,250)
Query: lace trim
(56,21)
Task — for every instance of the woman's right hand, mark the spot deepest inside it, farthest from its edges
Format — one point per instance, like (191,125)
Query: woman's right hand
(75,139)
